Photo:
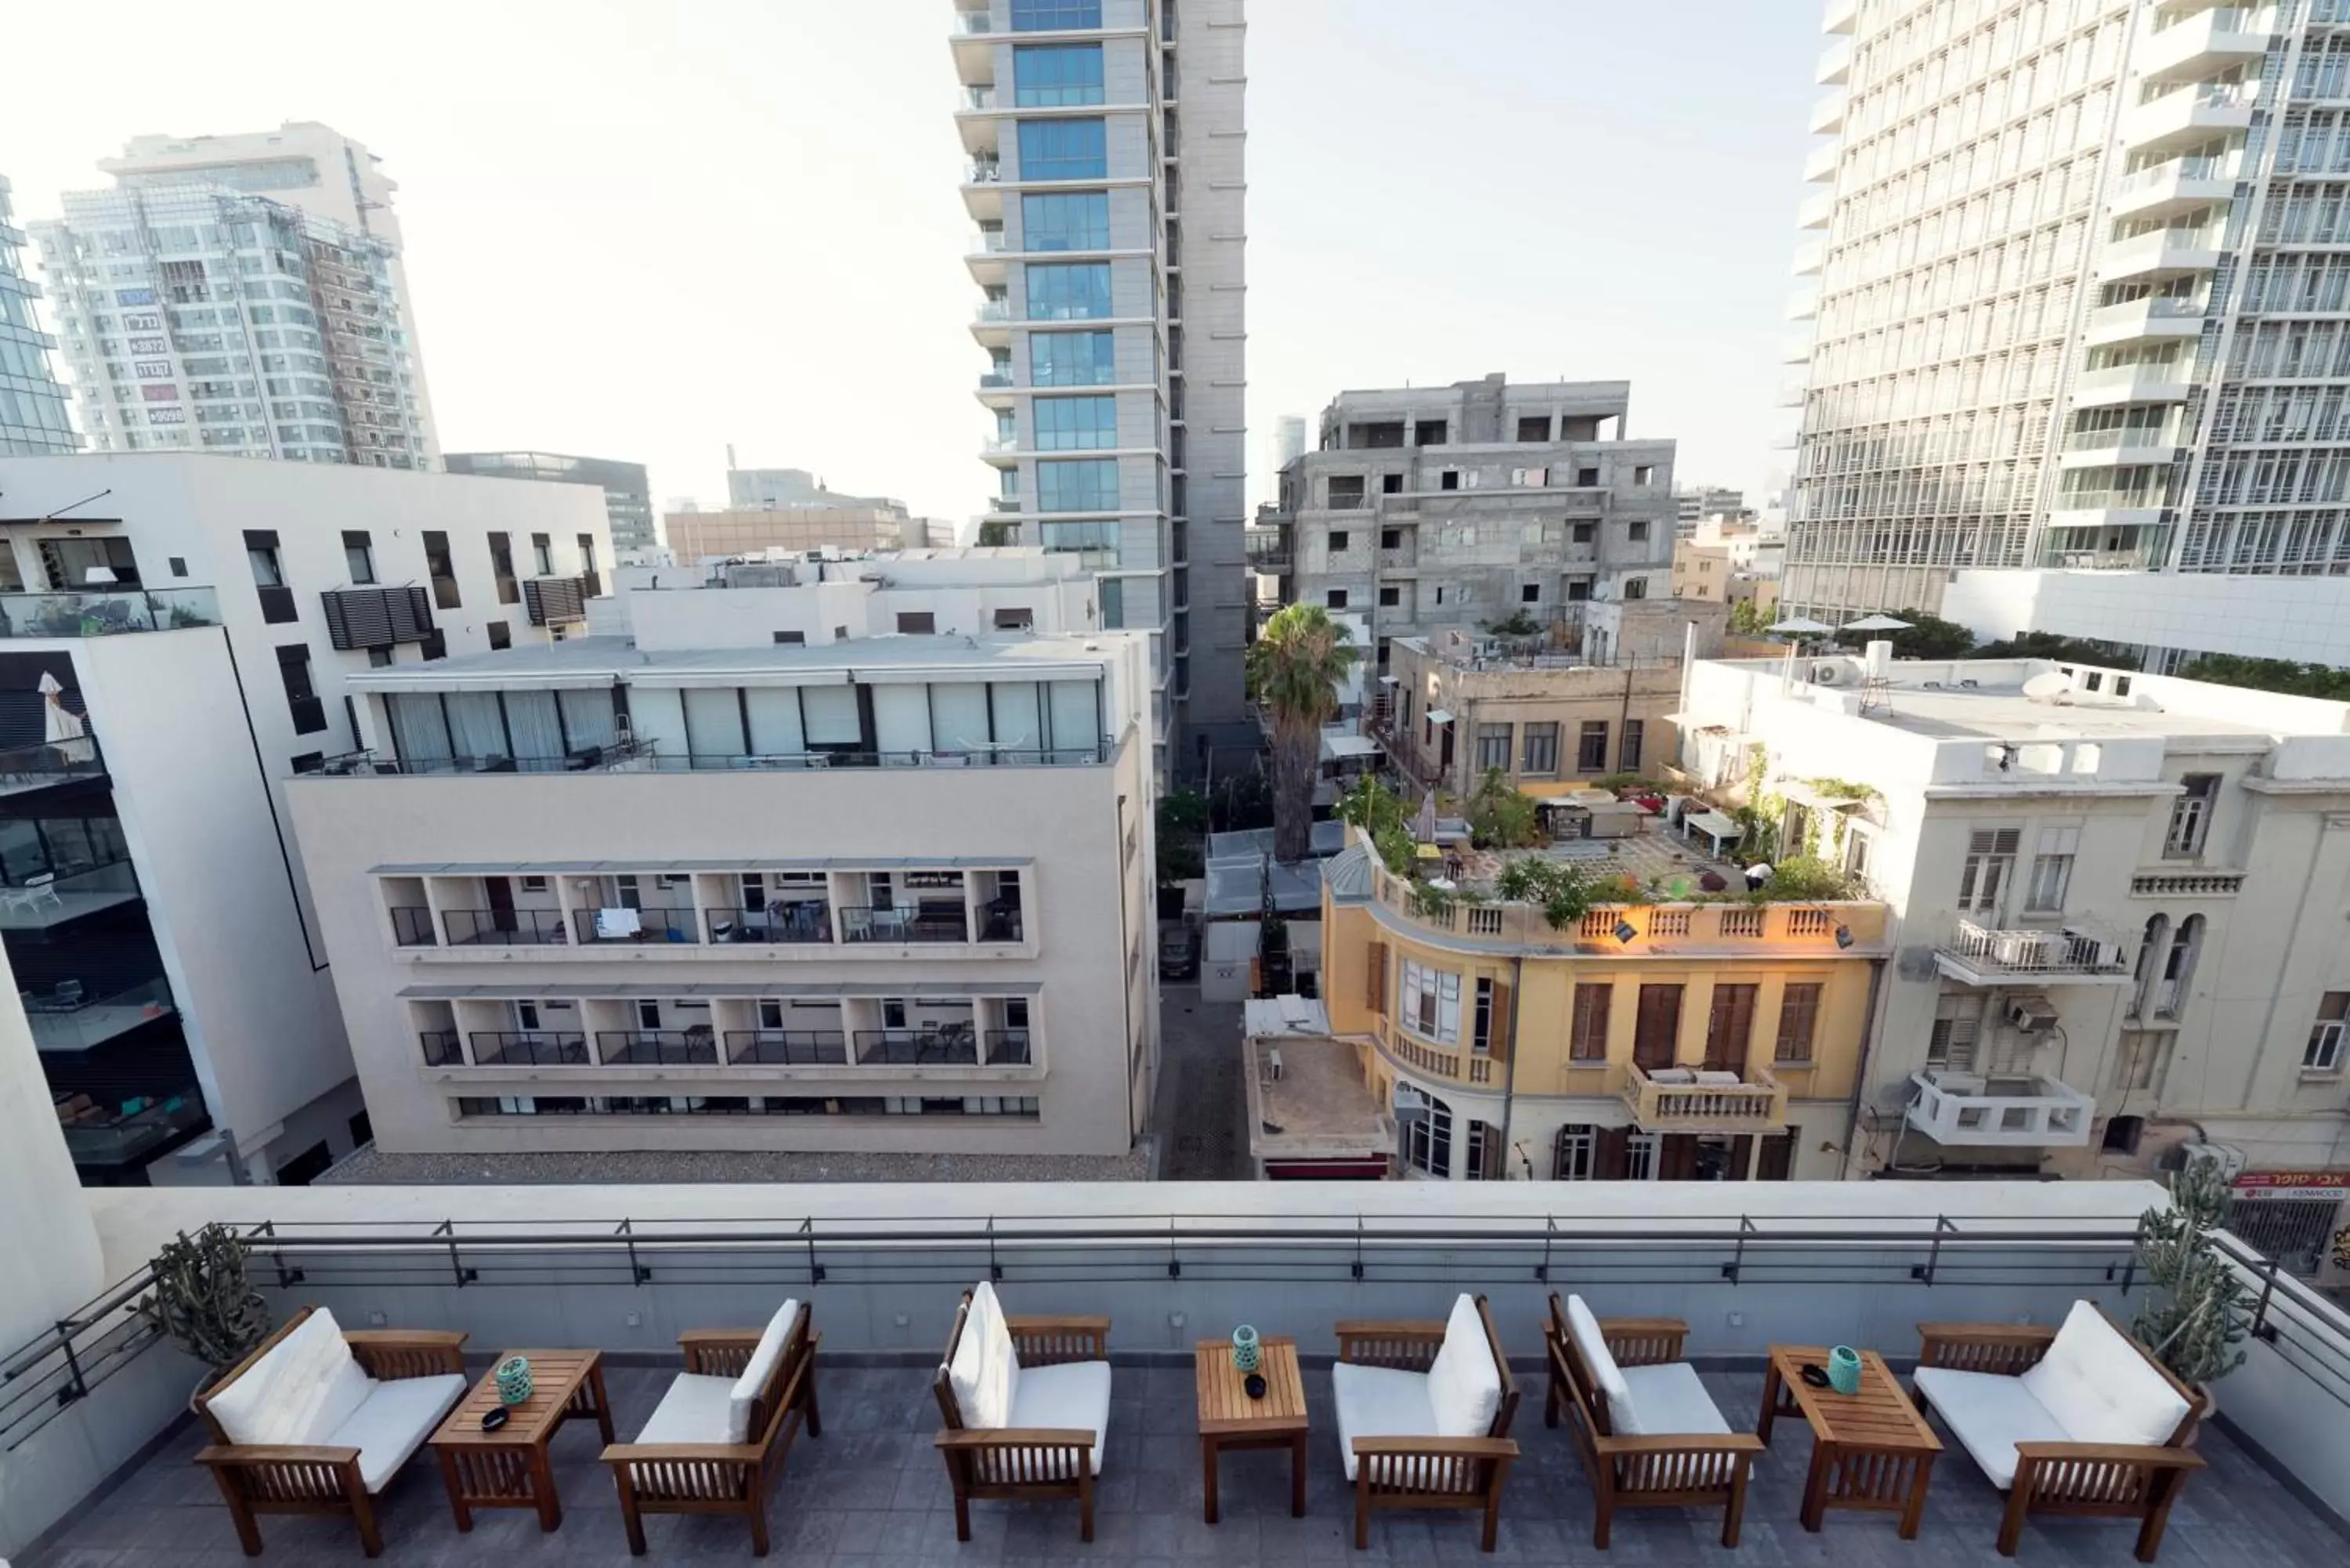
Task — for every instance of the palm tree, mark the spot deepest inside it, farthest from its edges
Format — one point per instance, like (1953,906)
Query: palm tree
(1294,670)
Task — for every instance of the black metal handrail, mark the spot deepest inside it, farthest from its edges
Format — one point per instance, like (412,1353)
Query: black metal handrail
(529,1048)
(1007,1048)
(441,1048)
(999,925)
(787,920)
(585,759)
(654,925)
(788,1047)
(954,1044)
(412,925)
(657,1047)
(872,923)
(505,928)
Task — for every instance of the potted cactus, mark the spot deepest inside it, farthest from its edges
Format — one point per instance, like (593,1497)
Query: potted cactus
(2197,1315)
(203,1302)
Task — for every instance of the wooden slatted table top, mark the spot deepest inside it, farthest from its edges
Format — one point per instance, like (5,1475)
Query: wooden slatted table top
(555,1376)
(1879,1416)
(1224,1405)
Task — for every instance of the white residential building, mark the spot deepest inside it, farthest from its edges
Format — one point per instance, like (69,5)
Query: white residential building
(858,861)
(1107,177)
(2119,900)
(2080,307)
(199,617)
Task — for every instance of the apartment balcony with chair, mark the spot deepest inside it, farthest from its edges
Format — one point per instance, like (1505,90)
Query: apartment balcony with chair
(68,1017)
(2021,1110)
(505,928)
(55,763)
(105,612)
(657,1047)
(1697,1099)
(1675,1298)
(52,899)
(1976,954)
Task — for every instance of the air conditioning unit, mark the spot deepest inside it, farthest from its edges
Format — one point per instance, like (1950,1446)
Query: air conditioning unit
(1826,673)
(2032,1013)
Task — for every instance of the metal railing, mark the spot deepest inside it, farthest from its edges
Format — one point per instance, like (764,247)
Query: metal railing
(1008,1048)
(2128,435)
(505,928)
(2034,952)
(949,1045)
(657,1047)
(587,759)
(652,925)
(985,243)
(411,927)
(1000,925)
(2158,175)
(977,174)
(97,612)
(788,1047)
(28,767)
(797,922)
(528,1047)
(872,923)
(441,1048)
(802,761)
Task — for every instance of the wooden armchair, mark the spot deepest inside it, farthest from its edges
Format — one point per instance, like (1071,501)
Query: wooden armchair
(1399,1375)
(1705,1465)
(717,1440)
(1045,1443)
(331,1469)
(2122,1454)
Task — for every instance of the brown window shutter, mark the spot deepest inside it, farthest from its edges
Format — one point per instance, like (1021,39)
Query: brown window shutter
(1500,1033)
(1677,1158)
(1589,1040)
(1729,1028)
(1612,1160)
(1658,1028)
(1778,1158)
(1375,979)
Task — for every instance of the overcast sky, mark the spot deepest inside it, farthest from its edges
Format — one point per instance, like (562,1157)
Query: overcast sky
(644,232)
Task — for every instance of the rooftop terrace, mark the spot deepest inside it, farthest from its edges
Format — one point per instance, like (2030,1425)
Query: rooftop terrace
(98,1448)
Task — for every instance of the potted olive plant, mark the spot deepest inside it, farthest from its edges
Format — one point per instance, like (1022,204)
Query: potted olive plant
(2197,1315)
(203,1301)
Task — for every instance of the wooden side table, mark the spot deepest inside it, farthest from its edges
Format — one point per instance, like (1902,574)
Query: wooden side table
(1229,1418)
(508,1468)
(1870,1449)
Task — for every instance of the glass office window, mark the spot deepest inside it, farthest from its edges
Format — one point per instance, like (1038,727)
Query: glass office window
(1062,150)
(1077,220)
(1050,16)
(1072,359)
(1070,425)
(1089,485)
(1057,75)
(1095,543)
(1113,598)
(1069,291)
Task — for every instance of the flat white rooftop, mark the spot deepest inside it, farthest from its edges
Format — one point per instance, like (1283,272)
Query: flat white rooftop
(603,660)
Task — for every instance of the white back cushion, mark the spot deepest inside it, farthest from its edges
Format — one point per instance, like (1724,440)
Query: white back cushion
(1607,1378)
(2100,1388)
(1465,1387)
(984,1371)
(762,1361)
(306,1386)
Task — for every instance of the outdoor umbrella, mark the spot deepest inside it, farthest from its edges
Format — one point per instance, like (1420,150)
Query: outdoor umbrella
(59,727)
(1797,627)
(1879,622)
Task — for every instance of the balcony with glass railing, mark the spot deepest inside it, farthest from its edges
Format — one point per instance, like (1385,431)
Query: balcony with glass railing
(2179,185)
(96,612)
(2154,317)
(2184,43)
(2182,117)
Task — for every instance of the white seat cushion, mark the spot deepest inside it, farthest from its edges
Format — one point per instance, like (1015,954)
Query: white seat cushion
(1464,1388)
(754,1372)
(1669,1401)
(1071,1396)
(2098,1386)
(696,1409)
(985,1371)
(394,1421)
(1379,1402)
(306,1386)
(1607,1378)
(1989,1414)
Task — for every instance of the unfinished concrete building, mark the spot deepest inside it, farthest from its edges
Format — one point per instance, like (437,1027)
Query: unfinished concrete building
(1455,508)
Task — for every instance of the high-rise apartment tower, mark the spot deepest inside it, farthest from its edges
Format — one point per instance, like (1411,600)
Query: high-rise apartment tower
(2082,298)
(32,405)
(1107,155)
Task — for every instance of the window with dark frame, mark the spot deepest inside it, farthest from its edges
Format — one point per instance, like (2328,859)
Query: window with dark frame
(1530,593)
(301,692)
(502,569)
(1338,540)
(2190,816)
(1391,598)
(791,639)
(1628,754)
(1591,747)
(1589,1040)
(1448,479)
(1540,748)
(358,556)
(441,567)
(1799,1019)
(916,622)
(542,555)
(501,634)
(1391,484)
(1492,747)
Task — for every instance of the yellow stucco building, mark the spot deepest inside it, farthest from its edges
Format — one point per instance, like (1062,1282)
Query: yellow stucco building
(1657,1042)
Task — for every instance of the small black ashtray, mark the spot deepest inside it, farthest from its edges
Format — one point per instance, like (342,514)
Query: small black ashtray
(494,1417)
(1253,1385)
(1816,1374)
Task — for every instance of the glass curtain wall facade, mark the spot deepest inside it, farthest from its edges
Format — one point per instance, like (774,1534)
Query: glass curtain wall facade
(2083,297)
(32,404)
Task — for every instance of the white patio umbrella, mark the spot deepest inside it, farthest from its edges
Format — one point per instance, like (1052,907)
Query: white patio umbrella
(1423,825)
(1879,622)
(1796,628)
(58,724)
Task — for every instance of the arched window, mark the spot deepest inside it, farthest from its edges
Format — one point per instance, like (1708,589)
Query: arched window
(2178,969)
(2149,963)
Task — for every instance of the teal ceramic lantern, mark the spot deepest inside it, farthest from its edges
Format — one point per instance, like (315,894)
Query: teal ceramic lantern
(1247,1352)
(1844,1369)
(513,1379)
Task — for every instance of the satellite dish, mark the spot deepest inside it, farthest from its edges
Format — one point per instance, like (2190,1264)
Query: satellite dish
(2046,686)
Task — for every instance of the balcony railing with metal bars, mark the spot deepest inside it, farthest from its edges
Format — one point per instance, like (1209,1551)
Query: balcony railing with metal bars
(2047,953)
(441,1048)
(528,1048)
(864,924)
(1008,1048)
(412,925)
(788,1047)
(948,1046)
(505,928)
(657,1047)
(649,925)
(786,922)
